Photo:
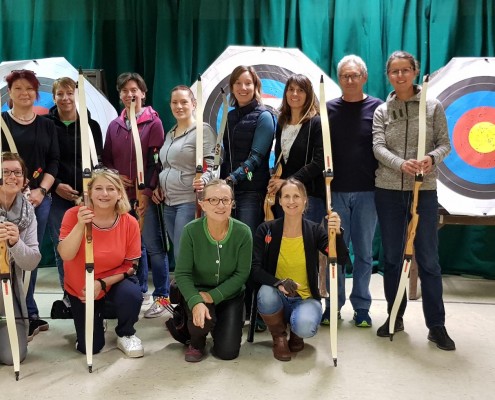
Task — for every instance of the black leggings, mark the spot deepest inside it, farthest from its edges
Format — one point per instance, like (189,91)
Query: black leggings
(225,326)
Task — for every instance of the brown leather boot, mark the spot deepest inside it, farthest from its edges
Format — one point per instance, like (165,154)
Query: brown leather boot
(277,327)
(296,343)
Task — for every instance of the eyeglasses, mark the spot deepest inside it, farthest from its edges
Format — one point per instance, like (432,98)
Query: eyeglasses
(403,71)
(215,201)
(17,172)
(353,77)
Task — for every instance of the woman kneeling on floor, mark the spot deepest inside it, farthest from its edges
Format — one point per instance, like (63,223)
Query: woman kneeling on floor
(285,264)
(212,268)
(116,247)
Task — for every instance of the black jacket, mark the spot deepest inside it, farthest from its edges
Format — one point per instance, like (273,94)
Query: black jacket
(305,162)
(69,139)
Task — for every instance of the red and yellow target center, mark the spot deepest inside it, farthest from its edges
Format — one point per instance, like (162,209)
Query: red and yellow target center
(482,137)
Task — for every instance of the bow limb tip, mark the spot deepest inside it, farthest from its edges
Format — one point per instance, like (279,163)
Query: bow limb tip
(16,375)
(90,369)
(392,337)
(335,362)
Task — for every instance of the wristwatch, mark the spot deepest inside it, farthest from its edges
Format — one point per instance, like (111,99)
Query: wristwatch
(432,159)
(43,190)
(103,285)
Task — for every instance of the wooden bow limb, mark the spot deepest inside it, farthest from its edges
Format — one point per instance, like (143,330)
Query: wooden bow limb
(199,141)
(218,146)
(332,234)
(139,158)
(413,223)
(13,149)
(88,248)
(408,255)
(8,296)
(270,197)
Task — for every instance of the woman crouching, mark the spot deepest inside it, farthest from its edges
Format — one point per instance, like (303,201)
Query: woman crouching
(212,268)
(116,247)
(285,264)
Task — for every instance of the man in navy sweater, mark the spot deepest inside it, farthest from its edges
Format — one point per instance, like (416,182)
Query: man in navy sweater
(351,118)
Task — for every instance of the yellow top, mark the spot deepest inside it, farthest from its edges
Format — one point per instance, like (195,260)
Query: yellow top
(292,264)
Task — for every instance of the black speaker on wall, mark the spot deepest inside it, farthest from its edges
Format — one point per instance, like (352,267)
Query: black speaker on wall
(97,79)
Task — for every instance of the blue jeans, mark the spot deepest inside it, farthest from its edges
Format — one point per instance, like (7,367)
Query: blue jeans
(393,208)
(176,217)
(249,209)
(152,240)
(41,212)
(317,209)
(357,213)
(303,315)
(57,212)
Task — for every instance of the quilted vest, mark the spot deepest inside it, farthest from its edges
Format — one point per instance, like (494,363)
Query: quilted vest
(237,142)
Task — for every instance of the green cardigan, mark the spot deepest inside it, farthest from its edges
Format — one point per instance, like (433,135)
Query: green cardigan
(219,268)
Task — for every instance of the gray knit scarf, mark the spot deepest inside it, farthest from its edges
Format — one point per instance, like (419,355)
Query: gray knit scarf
(21,213)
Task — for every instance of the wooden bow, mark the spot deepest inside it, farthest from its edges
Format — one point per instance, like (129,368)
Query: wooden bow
(139,158)
(89,255)
(332,234)
(413,222)
(199,141)
(7,292)
(270,197)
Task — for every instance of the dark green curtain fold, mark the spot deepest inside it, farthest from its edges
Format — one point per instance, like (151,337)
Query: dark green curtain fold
(170,41)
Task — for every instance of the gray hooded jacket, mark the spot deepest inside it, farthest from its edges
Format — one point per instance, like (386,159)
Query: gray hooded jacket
(395,140)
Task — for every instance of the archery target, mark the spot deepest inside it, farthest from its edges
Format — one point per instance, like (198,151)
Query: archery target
(470,109)
(467,175)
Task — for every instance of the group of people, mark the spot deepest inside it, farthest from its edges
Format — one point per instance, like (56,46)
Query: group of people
(228,253)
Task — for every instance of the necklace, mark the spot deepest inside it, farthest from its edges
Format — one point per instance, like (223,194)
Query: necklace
(23,119)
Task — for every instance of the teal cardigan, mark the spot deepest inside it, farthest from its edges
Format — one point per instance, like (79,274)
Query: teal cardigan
(219,268)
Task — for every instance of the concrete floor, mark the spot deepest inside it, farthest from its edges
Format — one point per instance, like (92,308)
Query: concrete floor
(410,367)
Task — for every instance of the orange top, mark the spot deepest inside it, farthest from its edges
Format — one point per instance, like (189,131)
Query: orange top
(114,249)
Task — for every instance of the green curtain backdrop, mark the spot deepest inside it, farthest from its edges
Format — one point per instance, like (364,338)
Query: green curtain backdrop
(170,41)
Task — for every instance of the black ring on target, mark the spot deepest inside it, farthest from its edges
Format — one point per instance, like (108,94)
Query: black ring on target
(457,172)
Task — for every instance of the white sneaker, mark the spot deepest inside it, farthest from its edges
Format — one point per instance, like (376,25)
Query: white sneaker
(131,346)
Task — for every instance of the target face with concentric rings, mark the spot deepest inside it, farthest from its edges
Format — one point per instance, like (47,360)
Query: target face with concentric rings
(466,179)
(470,109)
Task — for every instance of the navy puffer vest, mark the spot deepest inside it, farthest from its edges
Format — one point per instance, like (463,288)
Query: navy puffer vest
(237,140)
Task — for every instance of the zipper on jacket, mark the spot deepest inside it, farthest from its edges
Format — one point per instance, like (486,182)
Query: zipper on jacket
(405,144)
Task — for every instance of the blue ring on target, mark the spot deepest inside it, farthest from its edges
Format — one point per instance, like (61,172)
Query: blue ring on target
(482,176)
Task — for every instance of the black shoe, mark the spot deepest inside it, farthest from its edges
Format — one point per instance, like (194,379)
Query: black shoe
(383,331)
(60,310)
(439,335)
(35,326)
